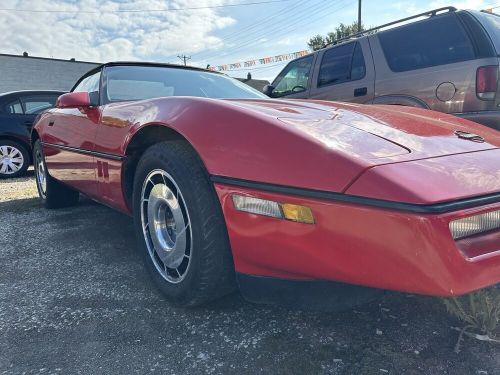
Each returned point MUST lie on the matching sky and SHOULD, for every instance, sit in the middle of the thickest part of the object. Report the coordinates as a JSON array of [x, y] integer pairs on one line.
[[211, 32]]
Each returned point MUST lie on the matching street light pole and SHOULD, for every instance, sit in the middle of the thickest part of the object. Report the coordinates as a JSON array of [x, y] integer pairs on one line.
[[184, 58], [359, 16]]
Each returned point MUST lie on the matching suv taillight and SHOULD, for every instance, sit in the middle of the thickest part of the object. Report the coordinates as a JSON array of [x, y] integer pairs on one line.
[[486, 82]]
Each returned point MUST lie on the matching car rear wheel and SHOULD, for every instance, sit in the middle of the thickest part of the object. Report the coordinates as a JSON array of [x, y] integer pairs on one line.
[[14, 159], [180, 227], [52, 193]]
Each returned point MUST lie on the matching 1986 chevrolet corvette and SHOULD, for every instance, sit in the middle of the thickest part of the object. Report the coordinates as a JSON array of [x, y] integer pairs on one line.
[[228, 187]]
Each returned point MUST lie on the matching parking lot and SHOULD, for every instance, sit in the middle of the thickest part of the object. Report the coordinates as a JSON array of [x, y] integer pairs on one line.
[[74, 298]]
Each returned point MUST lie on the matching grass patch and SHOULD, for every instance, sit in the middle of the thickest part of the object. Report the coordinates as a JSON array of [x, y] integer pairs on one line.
[[480, 312]]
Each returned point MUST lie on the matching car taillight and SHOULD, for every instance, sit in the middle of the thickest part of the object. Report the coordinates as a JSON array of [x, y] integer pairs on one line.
[[486, 82]]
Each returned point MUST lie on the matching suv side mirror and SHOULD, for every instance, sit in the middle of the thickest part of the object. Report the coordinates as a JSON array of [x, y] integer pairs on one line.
[[74, 100], [268, 90]]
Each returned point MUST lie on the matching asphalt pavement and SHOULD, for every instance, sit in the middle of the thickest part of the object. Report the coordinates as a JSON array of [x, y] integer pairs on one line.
[[75, 299]]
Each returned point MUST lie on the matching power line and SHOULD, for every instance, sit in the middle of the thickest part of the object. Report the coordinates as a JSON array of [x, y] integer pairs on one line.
[[253, 37], [256, 24], [275, 30], [139, 10], [283, 30]]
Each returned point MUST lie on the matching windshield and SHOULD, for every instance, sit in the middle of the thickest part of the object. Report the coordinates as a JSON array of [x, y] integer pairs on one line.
[[145, 82], [491, 22]]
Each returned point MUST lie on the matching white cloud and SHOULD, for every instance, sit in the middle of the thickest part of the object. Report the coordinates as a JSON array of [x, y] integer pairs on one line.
[[464, 4], [412, 7], [111, 36]]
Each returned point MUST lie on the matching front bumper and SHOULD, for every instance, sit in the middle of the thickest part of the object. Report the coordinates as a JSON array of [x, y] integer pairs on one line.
[[362, 245], [488, 118]]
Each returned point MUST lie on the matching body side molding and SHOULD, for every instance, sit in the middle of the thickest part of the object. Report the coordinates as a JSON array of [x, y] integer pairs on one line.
[[436, 208], [103, 155]]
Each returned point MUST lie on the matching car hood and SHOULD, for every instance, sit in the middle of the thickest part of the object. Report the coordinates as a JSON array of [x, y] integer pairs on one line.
[[377, 132]]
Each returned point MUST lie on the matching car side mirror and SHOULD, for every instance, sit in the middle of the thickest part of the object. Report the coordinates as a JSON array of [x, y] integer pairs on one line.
[[74, 100], [268, 90]]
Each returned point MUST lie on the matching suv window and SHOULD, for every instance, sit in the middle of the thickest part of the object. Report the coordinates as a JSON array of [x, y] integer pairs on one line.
[[342, 64], [491, 23], [14, 107], [37, 104], [438, 40], [294, 77]]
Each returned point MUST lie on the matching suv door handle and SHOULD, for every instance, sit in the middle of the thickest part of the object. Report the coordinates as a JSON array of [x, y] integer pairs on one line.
[[362, 91], [51, 123]]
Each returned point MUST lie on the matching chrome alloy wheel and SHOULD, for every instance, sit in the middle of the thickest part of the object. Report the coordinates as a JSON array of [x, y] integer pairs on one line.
[[166, 226], [11, 159], [41, 175]]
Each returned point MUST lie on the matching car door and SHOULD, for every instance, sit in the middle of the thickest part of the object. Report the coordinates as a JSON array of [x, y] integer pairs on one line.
[[69, 140], [344, 73], [294, 80]]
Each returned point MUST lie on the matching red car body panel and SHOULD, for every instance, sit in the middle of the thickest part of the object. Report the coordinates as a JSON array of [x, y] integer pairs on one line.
[[74, 128], [434, 180], [361, 245], [396, 154], [354, 138]]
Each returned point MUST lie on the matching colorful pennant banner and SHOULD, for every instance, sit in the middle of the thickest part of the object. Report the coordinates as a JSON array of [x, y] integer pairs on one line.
[[265, 60]]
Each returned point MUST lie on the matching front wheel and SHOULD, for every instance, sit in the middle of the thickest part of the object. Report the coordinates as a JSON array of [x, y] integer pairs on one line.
[[52, 193], [14, 159], [180, 227]]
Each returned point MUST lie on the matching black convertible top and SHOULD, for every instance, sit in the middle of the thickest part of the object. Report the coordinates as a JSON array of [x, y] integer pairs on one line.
[[140, 63]]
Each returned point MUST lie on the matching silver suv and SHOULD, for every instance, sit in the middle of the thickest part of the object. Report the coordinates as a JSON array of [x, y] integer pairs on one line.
[[448, 62]]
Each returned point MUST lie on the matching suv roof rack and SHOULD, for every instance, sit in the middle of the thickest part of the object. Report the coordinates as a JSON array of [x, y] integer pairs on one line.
[[429, 13]]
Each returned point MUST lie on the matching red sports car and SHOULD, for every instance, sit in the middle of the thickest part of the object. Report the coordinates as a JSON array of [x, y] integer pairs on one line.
[[228, 187]]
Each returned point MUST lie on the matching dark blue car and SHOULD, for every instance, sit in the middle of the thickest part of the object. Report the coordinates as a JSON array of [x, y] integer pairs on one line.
[[18, 110]]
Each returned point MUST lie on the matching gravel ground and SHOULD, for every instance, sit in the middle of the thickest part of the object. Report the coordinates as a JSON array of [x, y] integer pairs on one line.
[[75, 299]]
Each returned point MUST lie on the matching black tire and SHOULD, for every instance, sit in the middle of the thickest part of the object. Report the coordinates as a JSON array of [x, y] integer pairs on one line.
[[7, 171], [54, 194], [210, 270]]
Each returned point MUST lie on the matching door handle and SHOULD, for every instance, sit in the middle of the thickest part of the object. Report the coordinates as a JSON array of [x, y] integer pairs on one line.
[[362, 91], [51, 123]]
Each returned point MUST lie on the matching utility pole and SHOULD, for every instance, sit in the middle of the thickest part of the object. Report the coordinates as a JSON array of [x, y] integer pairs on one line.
[[184, 58], [359, 16]]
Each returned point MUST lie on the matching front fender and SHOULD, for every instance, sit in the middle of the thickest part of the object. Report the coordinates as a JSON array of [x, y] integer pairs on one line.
[[236, 142]]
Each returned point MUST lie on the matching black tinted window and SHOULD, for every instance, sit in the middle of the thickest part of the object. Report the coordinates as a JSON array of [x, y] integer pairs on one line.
[[342, 64], [437, 41]]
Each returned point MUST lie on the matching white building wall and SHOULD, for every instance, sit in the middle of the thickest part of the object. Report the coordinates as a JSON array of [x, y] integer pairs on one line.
[[34, 73]]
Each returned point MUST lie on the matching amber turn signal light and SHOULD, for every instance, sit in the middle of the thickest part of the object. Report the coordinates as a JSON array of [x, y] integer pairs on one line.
[[294, 212], [286, 211]]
